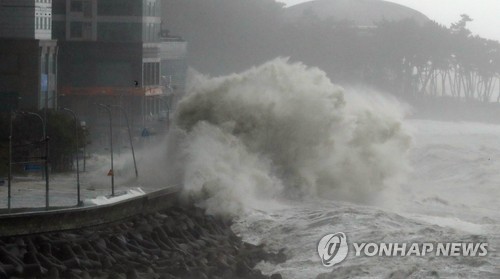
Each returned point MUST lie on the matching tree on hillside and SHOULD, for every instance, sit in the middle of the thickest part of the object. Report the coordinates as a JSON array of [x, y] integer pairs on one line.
[[409, 59], [436, 61]]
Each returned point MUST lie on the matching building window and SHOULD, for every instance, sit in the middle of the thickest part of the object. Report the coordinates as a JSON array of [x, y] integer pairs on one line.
[[114, 31], [121, 7], [76, 30], [148, 37], [87, 8], [59, 7], [59, 30], [76, 6], [157, 74], [87, 30], [151, 74]]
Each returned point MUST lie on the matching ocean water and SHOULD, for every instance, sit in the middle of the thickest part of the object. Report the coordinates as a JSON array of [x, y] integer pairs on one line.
[[293, 157], [452, 195]]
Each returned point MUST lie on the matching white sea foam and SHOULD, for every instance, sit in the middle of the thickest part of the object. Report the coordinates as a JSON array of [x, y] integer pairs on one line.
[[284, 130], [451, 195], [259, 141]]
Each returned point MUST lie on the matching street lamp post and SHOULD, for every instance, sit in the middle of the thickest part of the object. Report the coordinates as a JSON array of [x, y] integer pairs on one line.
[[79, 201], [167, 104], [9, 185], [129, 137], [84, 127], [168, 84], [106, 107], [46, 139]]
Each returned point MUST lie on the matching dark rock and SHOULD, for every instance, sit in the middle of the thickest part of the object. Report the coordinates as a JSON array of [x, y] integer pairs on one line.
[[7, 257], [85, 275], [132, 274], [178, 243], [46, 248], [106, 262], [53, 273], [49, 264], [20, 242], [115, 275], [30, 258], [10, 270], [34, 270], [3, 273], [72, 263]]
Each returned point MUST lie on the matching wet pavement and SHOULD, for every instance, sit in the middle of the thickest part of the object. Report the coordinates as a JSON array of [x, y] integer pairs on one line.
[[29, 192]]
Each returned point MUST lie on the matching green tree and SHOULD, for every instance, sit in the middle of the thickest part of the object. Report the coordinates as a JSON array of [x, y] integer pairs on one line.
[[28, 140]]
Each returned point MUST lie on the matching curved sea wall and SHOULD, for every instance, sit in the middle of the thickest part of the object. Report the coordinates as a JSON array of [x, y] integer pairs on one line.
[[180, 242]]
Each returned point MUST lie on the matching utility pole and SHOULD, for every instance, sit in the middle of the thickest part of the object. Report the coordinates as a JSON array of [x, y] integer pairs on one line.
[[79, 201], [106, 107], [46, 140], [129, 137], [84, 127], [9, 185]]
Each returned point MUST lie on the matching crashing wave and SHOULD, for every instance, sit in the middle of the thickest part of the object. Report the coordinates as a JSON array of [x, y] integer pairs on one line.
[[284, 130]]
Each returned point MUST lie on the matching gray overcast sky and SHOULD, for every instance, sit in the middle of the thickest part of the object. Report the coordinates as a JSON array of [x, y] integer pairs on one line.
[[486, 13]]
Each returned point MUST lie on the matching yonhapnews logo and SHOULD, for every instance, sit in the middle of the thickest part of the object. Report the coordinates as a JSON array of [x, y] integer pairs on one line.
[[333, 249]]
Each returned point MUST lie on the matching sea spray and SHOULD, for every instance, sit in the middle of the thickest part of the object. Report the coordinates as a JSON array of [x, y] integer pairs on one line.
[[283, 130]]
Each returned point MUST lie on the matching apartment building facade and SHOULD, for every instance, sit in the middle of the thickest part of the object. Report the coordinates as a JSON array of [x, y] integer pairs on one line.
[[115, 52], [28, 55]]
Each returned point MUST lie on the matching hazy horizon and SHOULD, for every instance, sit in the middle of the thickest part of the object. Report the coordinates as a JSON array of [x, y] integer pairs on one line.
[[485, 16]]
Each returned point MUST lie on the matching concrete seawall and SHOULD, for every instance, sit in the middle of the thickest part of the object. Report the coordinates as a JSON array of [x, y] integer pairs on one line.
[[25, 223], [179, 242]]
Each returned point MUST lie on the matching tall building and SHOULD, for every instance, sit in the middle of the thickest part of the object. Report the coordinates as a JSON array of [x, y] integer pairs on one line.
[[107, 20], [28, 55], [30, 19], [115, 52]]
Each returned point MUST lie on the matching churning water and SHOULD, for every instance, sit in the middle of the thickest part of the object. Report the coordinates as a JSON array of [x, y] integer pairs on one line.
[[293, 157]]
